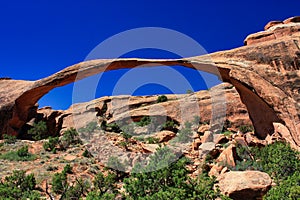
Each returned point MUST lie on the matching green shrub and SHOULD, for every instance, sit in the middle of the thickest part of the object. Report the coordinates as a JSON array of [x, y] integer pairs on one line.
[[19, 186], [126, 136], [86, 154], [189, 91], [21, 154], [184, 135], [162, 98], [124, 144], [288, 189], [246, 128], [70, 137], [9, 139], [23, 151], [168, 125], [165, 179], [38, 131], [152, 140], [113, 128], [51, 144], [75, 192], [67, 169], [104, 185], [59, 183], [196, 120], [279, 160], [145, 120]]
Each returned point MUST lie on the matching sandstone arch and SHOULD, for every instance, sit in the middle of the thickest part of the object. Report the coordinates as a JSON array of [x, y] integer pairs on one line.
[[266, 74]]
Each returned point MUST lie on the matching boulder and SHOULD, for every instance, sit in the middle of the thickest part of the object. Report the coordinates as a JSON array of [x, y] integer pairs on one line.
[[206, 148], [207, 137], [164, 136], [228, 156], [203, 128], [244, 185]]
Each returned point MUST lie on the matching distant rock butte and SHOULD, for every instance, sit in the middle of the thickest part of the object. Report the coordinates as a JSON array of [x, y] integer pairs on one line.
[[265, 73]]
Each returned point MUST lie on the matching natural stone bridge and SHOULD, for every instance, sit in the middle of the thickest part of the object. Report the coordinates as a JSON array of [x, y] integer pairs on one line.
[[265, 73]]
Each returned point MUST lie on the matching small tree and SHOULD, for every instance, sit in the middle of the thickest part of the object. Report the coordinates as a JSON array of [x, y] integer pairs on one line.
[[59, 183], [39, 130], [162, 98]]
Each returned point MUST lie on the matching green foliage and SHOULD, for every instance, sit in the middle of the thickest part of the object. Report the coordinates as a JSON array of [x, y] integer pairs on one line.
[[23, 151], [189, 91], [38, 131], [196, 120], [115, 164], [21, 154], [162, 98], [104, 185], [19, 186], [145, 120], [9, 139], [70, 137], [75, 192], [152, 140], [59, 183], [126, 136], [124, 144], [67, 169], [279, 160], [113, 128], [227, 133], [164, 179], [246, 128], [169, 125], [51, 144], [184, 135], [288, 189], [86, 154]]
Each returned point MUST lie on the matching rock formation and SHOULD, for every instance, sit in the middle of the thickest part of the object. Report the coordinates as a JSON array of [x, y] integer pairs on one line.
[[265, 73]]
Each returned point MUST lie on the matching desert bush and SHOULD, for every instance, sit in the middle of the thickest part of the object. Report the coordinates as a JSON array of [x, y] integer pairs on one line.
[[59, 183], [162, 98], [165, 179], [104, 185], [78, 190], [38, 131], [288, 189], [152, 140], [246, 128], [51, 144], [169, 125], [70, 137], [184, 135], [86, 154], [21, 154], [19, 186], [113, 128], [145, 120], [67, 169], [9, 139]]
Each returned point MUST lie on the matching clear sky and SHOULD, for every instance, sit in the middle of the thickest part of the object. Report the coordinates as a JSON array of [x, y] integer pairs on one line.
[[41, 37]]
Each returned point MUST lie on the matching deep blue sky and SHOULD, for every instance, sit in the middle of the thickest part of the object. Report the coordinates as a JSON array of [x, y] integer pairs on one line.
[[41, 37]]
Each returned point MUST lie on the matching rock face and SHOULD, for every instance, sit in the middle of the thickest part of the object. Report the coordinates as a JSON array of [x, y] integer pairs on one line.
[[265, 73], [250, 185]]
